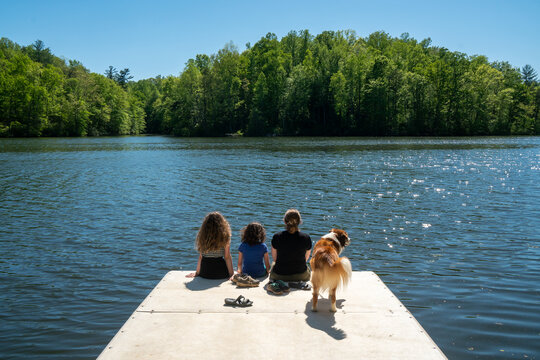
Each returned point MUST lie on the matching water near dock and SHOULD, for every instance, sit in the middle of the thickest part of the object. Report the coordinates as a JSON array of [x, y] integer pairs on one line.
[[89, 226]]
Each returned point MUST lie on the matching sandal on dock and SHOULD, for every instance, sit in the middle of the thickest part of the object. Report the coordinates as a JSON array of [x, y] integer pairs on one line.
[[283, 286], [240, 301], [274, 288], [302, 285]]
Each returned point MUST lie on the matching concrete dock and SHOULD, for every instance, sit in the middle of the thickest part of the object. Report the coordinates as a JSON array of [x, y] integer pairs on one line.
[[185, 318]]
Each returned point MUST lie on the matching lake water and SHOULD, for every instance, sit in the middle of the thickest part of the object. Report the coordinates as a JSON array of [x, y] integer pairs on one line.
[[88, 226]]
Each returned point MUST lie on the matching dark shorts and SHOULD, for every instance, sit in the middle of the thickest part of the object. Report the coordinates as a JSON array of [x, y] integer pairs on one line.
[[213, 268]]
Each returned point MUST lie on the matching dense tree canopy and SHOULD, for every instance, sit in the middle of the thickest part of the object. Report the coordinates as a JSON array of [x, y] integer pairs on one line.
[[42, 95], [334, 83]]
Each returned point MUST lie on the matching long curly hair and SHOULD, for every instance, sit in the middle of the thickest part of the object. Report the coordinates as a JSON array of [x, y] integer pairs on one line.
[[254, 233], [292, 219], [214, 234]]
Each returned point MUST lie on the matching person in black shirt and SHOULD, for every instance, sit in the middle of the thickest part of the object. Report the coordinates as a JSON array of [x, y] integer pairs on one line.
[[290, 250]]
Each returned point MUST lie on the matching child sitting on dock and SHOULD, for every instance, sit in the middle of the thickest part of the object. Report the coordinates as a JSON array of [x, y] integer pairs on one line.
[[252, 251], [214, 246]]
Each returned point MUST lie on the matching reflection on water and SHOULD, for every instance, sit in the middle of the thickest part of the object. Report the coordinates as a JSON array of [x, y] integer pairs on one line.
[[90, 225]]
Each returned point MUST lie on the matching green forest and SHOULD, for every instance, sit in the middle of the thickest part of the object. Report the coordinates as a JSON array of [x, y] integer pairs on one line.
[[332, 84]]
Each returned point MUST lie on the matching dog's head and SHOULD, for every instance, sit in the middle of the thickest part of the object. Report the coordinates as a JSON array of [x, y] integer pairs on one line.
[[342, 237]]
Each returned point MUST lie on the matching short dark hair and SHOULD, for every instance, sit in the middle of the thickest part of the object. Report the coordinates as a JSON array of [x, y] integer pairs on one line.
[[254, 233]]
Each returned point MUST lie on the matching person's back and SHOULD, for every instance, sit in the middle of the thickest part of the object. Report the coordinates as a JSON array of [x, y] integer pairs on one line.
[[291, 250], [253, 251], [253, 256], [213, 244]]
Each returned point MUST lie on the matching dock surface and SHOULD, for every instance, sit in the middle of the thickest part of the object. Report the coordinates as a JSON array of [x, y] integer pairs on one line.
[[185, 318]]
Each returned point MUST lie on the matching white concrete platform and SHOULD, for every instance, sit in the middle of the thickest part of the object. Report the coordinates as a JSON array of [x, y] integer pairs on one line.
[[184, 318]]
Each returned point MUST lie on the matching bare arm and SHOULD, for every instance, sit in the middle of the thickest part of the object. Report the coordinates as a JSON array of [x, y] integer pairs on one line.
[[307, 254], [240, 260], [274, 254], [228, 259], [196, 273], [267, 262]]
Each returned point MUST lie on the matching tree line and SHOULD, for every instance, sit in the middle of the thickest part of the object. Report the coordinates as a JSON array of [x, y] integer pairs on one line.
[[334, 83], [43, 95]]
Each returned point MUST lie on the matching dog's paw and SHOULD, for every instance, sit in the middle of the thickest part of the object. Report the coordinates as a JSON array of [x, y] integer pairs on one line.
[[333, 309], [314, 309]]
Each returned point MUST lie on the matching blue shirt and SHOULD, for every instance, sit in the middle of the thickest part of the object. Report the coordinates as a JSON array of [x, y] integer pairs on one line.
[[253, 259]]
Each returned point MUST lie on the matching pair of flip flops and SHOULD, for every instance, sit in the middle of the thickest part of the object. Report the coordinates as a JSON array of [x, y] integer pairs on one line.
[[240, 301], [279, 287]]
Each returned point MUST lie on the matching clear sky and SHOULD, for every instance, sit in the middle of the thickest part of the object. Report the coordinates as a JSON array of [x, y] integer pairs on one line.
[[157, 37]]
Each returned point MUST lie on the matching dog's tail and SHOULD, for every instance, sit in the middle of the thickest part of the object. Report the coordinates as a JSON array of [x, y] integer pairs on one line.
[[330, 272], [344, 269]]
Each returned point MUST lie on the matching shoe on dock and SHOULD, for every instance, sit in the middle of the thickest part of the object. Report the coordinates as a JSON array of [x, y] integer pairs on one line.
[[244, 280], [302, 285], [240, 301], [274, 288]]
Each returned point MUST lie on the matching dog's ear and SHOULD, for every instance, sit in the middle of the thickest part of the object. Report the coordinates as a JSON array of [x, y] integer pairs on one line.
[[343, 237], [339, 232]]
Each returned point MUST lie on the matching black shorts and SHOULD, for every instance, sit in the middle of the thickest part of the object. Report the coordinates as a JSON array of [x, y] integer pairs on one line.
[[214, 268]]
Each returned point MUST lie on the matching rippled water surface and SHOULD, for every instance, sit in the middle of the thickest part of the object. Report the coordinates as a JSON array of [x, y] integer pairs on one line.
[[88, 227]]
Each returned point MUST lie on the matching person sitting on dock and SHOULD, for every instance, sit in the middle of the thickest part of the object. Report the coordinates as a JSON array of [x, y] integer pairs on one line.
[[252, 251], [214, 246], [290, 250]]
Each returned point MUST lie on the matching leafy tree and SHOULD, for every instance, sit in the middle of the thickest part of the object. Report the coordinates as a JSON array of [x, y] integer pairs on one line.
[[41, 54], [258, 121], [296, 101]]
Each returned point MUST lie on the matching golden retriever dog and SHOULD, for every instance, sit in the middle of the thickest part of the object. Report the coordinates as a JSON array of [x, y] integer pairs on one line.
[[328, 270]]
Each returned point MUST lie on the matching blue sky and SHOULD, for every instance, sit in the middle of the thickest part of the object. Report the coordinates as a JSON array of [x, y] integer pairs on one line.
[[157, 37]]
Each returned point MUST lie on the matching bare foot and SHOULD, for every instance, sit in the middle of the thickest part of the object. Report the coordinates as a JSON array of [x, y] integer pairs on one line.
[[191, 275]]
